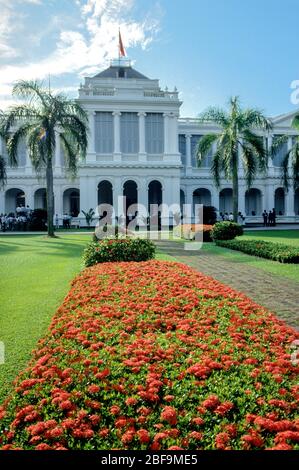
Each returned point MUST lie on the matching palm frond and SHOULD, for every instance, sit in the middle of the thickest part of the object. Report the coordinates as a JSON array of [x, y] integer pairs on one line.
[[254, 119], [216, 166], [277, 143], [14, 141], [31, 90], [295, 164], [70, 148], [249, 163], [295, 122], [256, 143], [204, 146], [214, 115]]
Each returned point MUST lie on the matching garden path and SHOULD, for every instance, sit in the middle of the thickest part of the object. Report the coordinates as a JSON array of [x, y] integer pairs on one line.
[[279, 294]]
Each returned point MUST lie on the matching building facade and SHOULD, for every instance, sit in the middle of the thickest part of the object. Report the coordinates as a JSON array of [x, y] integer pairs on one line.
[[141, 149]]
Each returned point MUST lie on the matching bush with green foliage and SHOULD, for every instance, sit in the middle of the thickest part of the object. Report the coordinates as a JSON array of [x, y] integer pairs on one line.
[[264, 249], [118, 249], [226, 231]]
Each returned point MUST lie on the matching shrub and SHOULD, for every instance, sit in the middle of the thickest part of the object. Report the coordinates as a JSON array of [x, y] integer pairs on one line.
[[264, 249], [118, 249], [188, 231], [226, 230], [153, 356]]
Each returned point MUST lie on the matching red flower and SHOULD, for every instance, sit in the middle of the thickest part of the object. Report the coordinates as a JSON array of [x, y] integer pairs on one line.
[[93, 389], [143, 436], [169, 414]]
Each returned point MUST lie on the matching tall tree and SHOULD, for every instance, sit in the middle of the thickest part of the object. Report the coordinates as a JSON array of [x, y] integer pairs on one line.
[[2, 159], [290, 159], [237, 131], [44, 116]]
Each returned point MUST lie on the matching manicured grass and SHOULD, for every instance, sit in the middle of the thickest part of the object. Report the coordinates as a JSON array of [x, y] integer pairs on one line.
[[35, 277], [288, 237]]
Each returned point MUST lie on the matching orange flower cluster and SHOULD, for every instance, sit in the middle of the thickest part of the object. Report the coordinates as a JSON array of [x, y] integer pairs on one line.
[[154, 355]]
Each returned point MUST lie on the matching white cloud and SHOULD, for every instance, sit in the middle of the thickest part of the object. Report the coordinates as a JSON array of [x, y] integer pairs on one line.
[[84, 50]]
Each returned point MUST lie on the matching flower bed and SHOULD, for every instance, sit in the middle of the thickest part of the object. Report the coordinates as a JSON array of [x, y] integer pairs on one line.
[[188, 231], [154, 355], [269, 250]]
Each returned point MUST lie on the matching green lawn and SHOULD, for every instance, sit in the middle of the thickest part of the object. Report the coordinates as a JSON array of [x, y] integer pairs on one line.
[[289, 237], [35, 277]]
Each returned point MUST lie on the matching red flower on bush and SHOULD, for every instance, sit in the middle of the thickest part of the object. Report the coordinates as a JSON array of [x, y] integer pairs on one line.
[[154, 355]]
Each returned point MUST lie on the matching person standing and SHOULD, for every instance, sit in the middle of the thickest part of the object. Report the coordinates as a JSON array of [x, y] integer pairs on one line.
[[265, 218]]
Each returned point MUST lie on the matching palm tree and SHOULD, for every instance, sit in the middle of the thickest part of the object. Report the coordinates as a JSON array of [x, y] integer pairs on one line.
[[43, 117], [290, 158], [2, 160], [237, 130]]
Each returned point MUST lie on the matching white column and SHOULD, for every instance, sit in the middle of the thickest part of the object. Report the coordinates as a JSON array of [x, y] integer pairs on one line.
[[142, 152], [270, 161], [117, 194], [142, 204], [290, 202], [29, 196], [215, 197], [58, 195], [269, 197], [2, 202], [91, 153], [58, 151], [241, 201], [117, 153], [28, 165], [188, 151], [166, 133], [290, 146]]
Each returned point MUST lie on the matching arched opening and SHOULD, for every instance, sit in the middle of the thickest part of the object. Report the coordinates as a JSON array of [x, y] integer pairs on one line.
[[296, 202], [105, 193], [253, 202], [71, 202], [201, 196], [182, 200], [14, 198], [226, 201], [130, 199], [279, 201], [40, 199], [155, 193], [155, 199]]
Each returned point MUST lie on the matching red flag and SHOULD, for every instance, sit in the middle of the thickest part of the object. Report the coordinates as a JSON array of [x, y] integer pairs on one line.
[[122, 52]]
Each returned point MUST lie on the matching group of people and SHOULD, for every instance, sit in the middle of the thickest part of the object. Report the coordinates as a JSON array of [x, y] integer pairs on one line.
[[230, 217], [17, 221], [269, 218]]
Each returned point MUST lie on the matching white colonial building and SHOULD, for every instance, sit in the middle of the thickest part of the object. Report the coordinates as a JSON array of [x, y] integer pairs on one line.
[[139, 147]]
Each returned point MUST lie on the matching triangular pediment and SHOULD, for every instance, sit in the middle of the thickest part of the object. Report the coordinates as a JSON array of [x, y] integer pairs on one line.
[[285, 120]]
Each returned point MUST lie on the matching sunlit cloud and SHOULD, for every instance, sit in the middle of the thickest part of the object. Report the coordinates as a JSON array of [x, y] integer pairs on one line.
[[78, 51]]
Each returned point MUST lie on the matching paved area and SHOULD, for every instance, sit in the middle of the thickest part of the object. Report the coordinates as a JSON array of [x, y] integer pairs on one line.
[[279, 294]]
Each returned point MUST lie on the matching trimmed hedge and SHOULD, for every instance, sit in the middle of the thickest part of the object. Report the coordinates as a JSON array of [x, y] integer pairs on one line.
[[269, 250], [226, 230], [122, 249]]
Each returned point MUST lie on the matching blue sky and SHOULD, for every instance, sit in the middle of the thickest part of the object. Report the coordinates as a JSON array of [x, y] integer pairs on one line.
[[209, 49]]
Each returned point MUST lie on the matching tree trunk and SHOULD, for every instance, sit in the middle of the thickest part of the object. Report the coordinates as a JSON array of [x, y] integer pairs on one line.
[[235, 188], [50, 198]]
